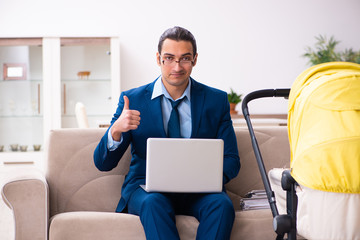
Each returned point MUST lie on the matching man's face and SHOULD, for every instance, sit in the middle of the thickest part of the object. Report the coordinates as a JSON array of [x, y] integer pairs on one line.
[[176, 61]]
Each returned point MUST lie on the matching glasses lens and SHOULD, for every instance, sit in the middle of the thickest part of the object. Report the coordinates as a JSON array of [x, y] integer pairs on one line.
[[172, 62], [168, 62], [185, 62]]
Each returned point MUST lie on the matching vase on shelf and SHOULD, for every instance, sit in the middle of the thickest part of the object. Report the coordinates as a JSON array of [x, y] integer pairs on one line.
[[232, 108]]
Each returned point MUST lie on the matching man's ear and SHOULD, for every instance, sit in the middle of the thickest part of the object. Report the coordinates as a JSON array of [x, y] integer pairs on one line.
[[158, 59], [195, 60]]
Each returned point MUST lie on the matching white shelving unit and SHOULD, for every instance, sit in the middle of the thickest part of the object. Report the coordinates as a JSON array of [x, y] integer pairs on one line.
[[45, 100]]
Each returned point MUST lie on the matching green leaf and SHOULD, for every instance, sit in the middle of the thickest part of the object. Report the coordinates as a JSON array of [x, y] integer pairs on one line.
[[324, 51], [233, 97]]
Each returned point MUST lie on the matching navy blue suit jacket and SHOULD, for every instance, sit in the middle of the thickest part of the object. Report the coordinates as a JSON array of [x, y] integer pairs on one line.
[[210, 113]]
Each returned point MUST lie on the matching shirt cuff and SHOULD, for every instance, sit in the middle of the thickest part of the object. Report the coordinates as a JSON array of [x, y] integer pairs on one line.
[[112, 144]]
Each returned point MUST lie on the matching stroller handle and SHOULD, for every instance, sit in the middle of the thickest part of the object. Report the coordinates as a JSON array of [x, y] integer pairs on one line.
[[282, 92]]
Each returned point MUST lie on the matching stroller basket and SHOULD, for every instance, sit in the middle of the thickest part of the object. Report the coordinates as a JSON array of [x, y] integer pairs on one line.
[[283, 224]]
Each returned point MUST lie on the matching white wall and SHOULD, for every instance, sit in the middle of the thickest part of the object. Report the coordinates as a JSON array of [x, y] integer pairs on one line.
[[243, 44]]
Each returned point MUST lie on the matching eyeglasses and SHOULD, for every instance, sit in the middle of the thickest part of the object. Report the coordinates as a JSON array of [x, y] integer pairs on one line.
[[183, 61]]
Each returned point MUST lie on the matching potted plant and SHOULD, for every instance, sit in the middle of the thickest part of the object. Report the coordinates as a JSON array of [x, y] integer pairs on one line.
[[325, 52], [234, 99]]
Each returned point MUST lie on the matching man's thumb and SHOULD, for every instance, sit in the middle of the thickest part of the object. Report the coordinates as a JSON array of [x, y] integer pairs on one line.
[[126, 102]]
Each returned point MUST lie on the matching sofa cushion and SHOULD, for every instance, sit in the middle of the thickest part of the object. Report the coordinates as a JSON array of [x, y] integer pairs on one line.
[[256, 224], [253, 224], [109, 226]]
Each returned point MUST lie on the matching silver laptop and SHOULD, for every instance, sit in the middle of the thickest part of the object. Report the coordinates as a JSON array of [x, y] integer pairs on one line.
[[184, 165]]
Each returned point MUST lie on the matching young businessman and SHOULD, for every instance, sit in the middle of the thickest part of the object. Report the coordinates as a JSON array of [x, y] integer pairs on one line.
[[146, 111]]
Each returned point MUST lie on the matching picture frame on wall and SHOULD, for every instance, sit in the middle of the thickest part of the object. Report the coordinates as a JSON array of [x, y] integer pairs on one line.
[[14, 71]]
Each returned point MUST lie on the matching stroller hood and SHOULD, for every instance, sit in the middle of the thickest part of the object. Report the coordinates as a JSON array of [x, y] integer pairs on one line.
[[324, 127]]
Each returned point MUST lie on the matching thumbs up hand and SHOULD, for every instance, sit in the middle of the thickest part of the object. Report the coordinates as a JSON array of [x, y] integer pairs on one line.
[[128, 120]]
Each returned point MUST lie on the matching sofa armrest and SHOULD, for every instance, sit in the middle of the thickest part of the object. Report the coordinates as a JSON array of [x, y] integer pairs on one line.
[[25, 192]]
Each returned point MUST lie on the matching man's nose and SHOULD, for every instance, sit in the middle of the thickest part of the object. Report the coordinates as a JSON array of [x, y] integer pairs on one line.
[[177, 65]]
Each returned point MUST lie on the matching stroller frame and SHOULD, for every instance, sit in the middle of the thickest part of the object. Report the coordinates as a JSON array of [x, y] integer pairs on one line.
[[286, 223]]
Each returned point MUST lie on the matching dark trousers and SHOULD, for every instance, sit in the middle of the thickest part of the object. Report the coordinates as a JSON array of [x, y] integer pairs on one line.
[[214, 211]]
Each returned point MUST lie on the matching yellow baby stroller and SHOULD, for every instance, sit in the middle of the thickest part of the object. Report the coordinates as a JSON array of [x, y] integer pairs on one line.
[[323, 183]]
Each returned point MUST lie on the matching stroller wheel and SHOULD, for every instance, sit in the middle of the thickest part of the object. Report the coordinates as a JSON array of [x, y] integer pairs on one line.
[[282, 224]]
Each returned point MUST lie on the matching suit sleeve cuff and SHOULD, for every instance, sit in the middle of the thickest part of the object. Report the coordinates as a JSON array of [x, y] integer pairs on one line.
[[112, 144]]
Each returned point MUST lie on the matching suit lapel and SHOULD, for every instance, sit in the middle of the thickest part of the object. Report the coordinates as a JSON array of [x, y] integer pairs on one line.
[[197, 104], [154, 110]]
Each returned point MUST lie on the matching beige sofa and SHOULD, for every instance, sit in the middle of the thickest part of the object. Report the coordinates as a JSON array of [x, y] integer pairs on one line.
[[75, 201]]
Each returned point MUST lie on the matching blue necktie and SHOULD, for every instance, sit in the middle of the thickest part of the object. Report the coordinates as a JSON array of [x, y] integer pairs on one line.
[[174, 122]]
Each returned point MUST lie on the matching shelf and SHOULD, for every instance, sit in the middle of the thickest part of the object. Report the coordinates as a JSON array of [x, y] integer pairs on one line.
[[88, 115], [62, 80], [20, 42], [30, 158], [85, 80], [21, 153], [22, 116], [19, 156], [85, 41], [260, 120], [20, 81], [267, 116]]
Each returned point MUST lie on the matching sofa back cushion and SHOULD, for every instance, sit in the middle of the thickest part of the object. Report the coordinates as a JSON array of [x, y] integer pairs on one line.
[[275, 151], [75, 184]]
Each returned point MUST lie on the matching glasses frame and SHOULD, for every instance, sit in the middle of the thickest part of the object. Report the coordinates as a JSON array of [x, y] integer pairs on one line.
[[173, 62]]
